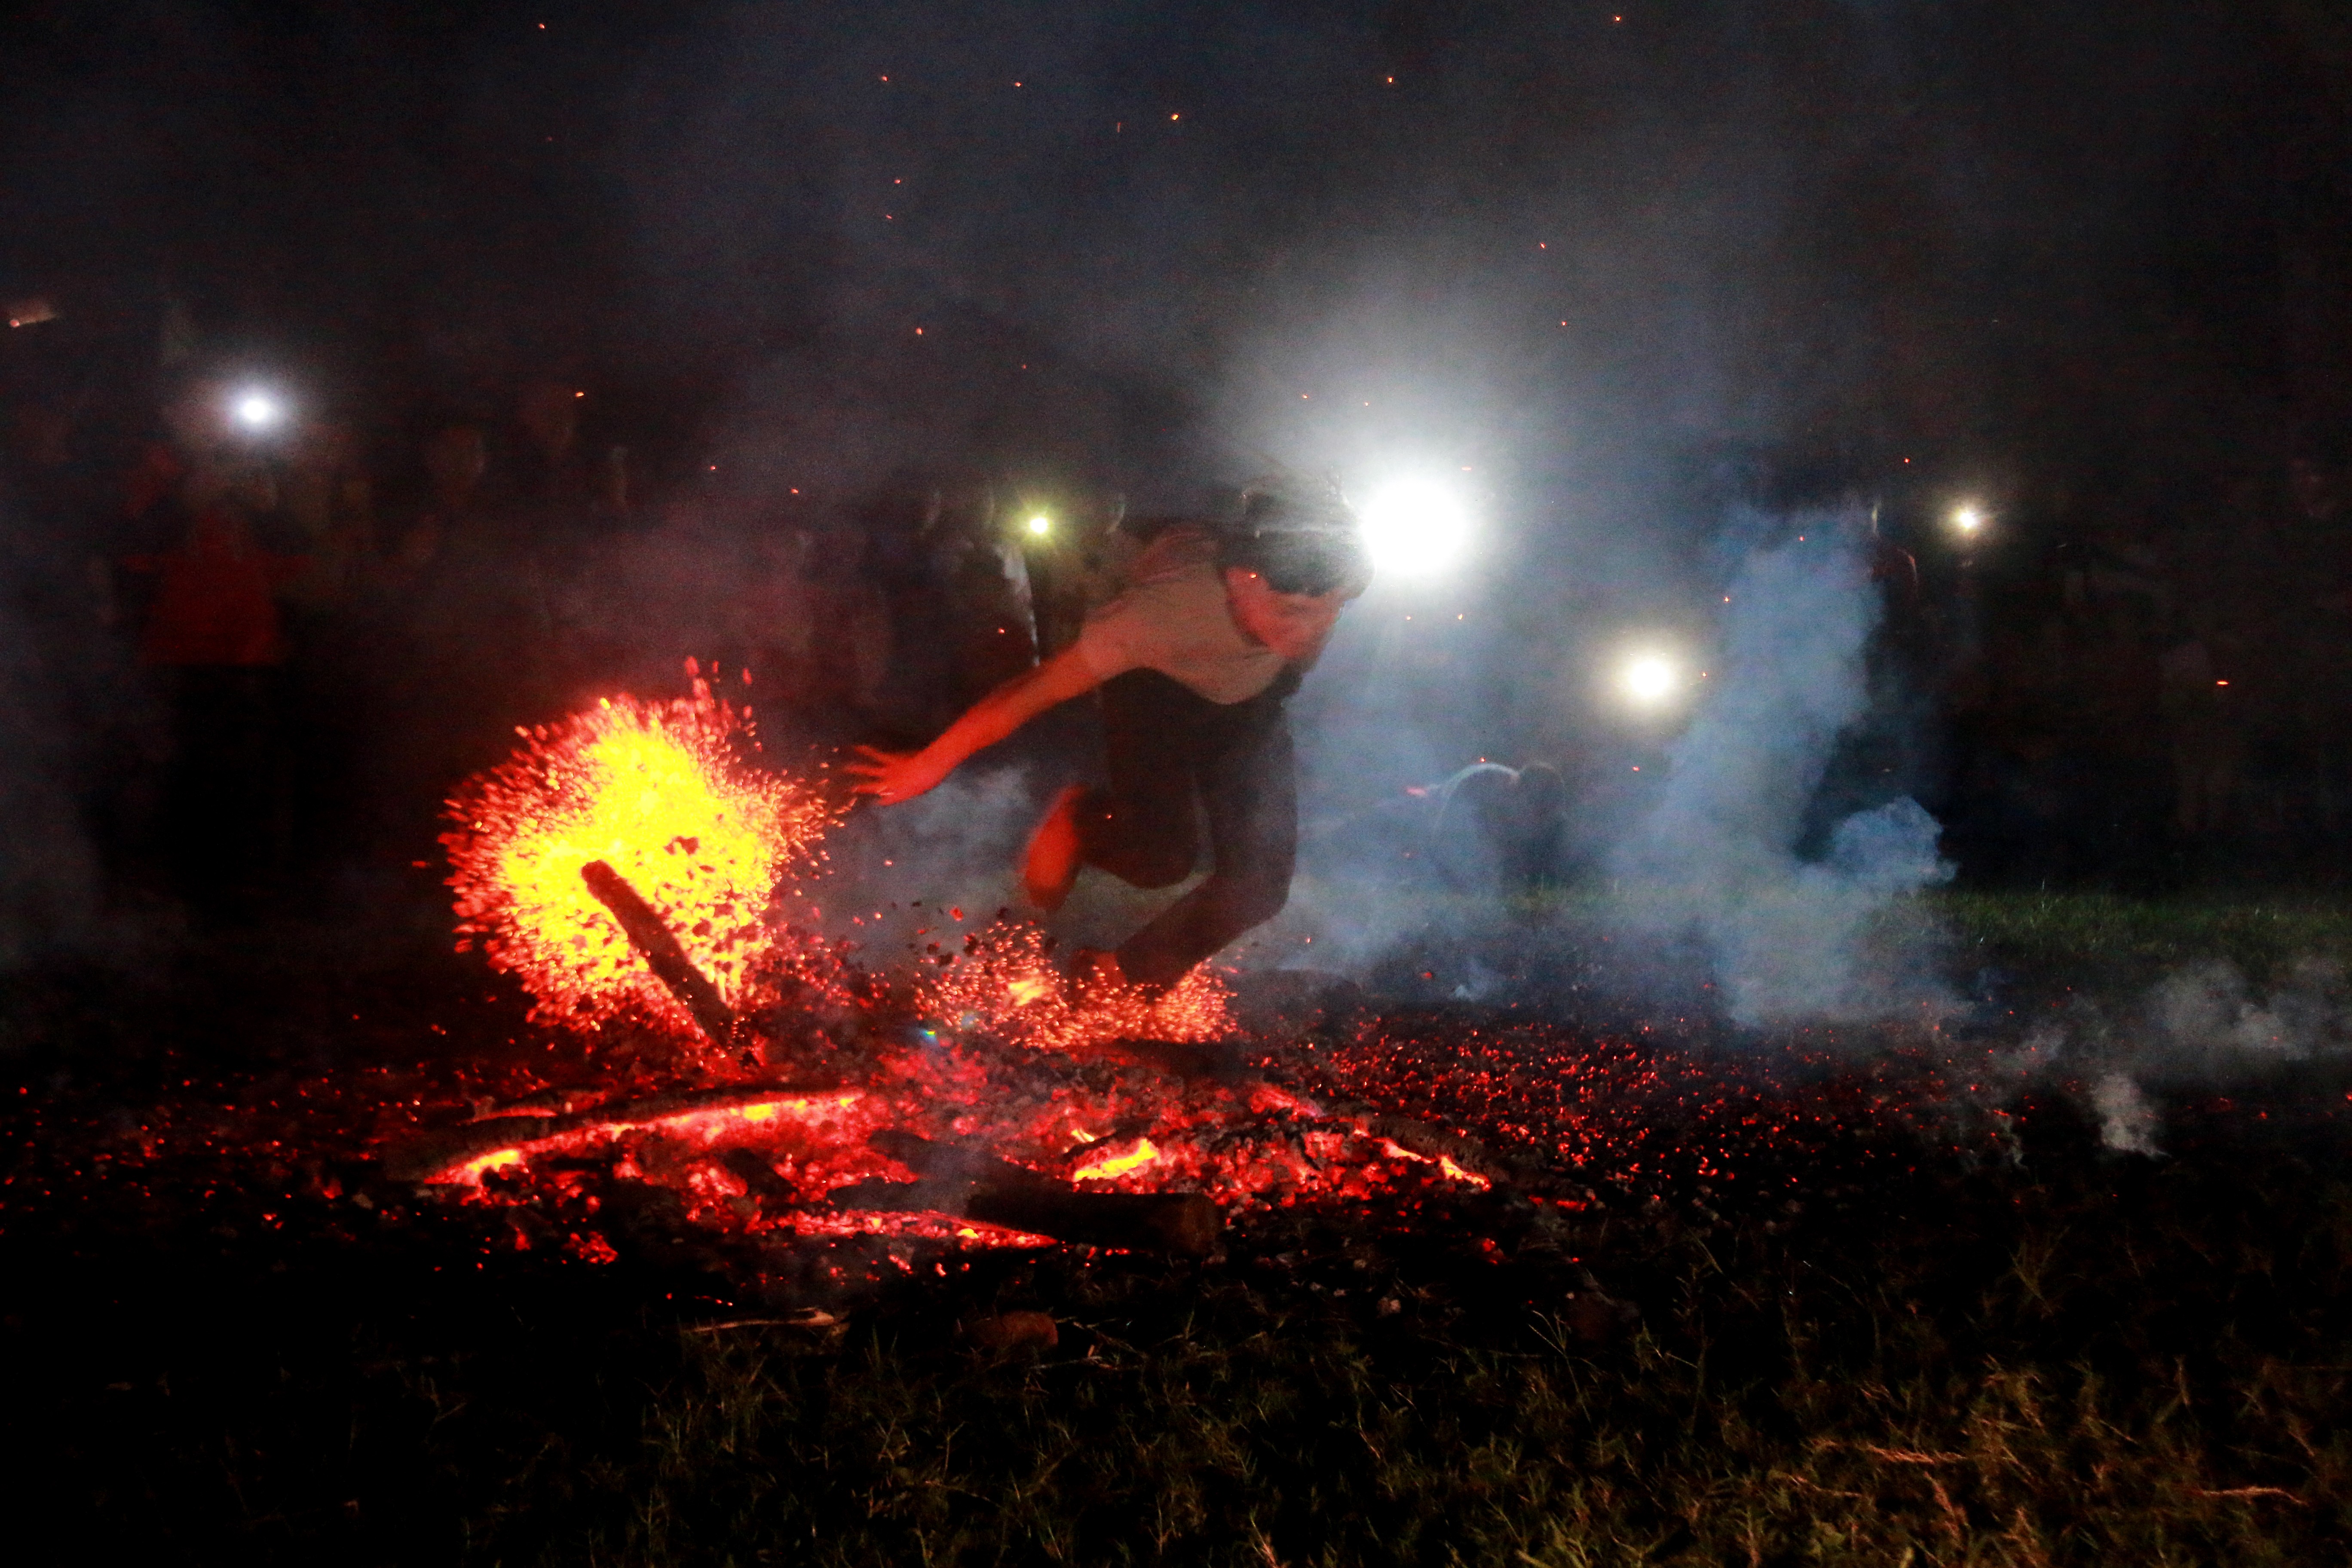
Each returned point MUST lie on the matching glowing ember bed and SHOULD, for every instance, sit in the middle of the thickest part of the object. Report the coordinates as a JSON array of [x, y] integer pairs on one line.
[[646, 876]]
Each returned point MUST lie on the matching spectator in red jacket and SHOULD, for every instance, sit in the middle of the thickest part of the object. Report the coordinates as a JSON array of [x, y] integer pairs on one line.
[[216, 600], [213, 628]]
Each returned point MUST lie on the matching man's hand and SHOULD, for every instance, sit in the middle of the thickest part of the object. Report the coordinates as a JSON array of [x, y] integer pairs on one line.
[[893, 776]]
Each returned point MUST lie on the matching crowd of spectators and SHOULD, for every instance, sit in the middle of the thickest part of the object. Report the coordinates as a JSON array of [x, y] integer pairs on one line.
[[259, 643], [2157, 687], [274, 644]]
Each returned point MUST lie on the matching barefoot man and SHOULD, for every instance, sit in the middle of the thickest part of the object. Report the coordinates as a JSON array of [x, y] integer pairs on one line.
[[1194, 660]]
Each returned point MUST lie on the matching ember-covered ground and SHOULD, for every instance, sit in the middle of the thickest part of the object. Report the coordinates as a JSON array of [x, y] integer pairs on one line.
[[1717, 1297]]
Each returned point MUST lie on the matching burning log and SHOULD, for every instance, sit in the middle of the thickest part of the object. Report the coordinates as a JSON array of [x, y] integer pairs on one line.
[[759, 1177], [1452, 1152], [436, 1153], [1182, 1225], [961, 1180], [953, 1161], [1218, 1061], [659, 945]]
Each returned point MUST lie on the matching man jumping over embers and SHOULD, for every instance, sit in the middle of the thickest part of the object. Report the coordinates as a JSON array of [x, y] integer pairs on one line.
[[1195, 659]]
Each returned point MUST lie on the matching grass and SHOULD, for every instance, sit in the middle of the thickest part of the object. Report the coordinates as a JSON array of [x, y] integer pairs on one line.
[[2105, 936], [2070, 1358], [2107, 944], [2015, 1375]]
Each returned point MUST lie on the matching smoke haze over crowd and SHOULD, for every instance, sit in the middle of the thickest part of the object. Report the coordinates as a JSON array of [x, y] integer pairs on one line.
[[1612, 274]]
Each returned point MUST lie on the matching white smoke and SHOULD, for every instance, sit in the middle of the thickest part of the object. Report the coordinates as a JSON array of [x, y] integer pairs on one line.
[[891, 871], [2127, 1121], [2208, 1011], [2199, 1025], [1716, 858], [2198, 1022]]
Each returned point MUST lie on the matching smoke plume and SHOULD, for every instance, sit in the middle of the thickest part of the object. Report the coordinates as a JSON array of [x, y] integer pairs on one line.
[[2127, 1121], [1716, 860]]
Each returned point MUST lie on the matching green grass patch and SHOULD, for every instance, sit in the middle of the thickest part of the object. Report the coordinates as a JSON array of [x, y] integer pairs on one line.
[[2104, 935], [1983, 1372]]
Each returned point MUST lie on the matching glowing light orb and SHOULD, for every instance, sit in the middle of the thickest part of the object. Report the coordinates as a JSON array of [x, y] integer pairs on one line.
[[1649, 680], [1414, 528], [1041, 525], [257, 411], [1968, 517]]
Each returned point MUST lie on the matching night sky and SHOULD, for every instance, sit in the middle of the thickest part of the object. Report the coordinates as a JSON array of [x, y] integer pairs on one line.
[[1575, 247]]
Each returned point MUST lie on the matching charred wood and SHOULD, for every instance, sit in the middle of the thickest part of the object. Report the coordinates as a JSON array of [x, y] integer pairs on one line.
[[935, 1161], [972, 1183], [759, 1177], [1183, 1225], [1433, 1142], [1219, 1060], [652, 939], [431, 1154]]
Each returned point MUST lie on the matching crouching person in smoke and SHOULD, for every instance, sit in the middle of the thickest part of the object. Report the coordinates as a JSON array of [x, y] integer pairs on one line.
[[1498, 829], [1193, 660]]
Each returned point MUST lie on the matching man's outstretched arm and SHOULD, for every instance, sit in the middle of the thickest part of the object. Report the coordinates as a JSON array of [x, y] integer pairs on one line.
[[893, 776]]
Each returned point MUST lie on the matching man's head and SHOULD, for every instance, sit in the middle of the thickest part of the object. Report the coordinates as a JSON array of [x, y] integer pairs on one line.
[[1300, 539], [1291, 562], [549, 413], [454, 458]]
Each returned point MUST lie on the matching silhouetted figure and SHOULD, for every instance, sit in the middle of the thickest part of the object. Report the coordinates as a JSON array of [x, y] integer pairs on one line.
[[2207, 746], [469, 636], [958, 591], [328, 502], [215, 629], [1498, 829], [551, 483]]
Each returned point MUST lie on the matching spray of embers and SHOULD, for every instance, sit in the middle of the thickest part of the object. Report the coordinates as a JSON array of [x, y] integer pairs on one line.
[[646, 877], [658, 794]]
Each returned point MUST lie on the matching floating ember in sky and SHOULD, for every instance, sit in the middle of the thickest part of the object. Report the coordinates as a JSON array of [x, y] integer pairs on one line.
[[657, 792]]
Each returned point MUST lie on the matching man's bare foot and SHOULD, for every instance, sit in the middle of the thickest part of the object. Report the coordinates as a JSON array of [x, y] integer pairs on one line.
[[1093, 971], [1051, 865]]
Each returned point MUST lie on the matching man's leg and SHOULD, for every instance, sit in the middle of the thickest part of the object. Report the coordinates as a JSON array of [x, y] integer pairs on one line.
[[1249, 789], [1142, 828]]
